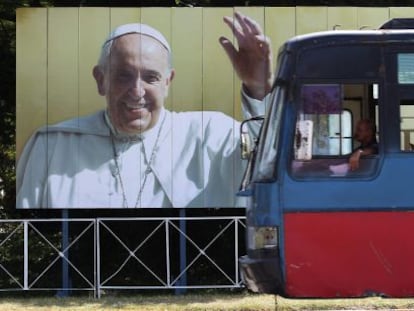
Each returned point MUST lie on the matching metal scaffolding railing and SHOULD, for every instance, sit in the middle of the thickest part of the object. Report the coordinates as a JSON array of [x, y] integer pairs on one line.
[[99, 254]]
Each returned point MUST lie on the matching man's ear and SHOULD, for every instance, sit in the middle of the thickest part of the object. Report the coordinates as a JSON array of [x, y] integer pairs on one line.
[[172, 75], [99, 76], [168, 82]]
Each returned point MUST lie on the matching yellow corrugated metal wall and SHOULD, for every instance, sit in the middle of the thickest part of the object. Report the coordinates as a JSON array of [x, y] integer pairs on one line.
[[58, 47]]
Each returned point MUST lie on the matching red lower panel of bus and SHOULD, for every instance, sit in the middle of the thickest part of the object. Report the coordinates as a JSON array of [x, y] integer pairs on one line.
[[349, 254]]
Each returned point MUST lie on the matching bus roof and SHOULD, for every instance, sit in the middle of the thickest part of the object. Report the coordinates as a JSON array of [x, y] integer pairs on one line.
[[344, 54], [341, 37]]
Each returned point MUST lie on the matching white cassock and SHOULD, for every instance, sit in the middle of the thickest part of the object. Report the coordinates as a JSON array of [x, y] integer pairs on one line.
[[196, 163]]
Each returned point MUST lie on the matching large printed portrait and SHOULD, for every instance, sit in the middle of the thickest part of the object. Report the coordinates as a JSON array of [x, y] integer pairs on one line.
[[129, 108]]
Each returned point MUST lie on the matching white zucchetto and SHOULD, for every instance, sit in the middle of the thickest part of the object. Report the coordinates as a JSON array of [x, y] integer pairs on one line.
[[140, 29]]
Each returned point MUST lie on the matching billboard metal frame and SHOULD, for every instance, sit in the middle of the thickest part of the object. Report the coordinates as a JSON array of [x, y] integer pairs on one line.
[[97, 284]]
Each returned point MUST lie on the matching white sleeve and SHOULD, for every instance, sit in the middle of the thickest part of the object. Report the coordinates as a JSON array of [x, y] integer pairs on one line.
[[31, 173], [253, 107]]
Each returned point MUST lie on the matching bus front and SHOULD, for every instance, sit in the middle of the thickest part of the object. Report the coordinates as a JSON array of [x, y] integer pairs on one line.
[[319, 223]]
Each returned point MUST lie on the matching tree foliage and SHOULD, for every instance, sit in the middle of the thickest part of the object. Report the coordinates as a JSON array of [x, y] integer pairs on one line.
[[7, 103]]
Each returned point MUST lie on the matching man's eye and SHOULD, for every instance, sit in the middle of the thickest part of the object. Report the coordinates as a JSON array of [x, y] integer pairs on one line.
[[151, 78]]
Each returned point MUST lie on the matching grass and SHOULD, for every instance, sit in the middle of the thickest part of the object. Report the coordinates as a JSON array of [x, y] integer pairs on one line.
[[198, 302]]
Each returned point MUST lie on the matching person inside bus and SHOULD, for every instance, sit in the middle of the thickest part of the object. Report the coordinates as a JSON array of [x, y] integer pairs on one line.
[[365, 135]]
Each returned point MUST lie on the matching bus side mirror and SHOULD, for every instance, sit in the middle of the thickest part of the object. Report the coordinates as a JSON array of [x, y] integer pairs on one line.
[[303, 140], [246, 145]]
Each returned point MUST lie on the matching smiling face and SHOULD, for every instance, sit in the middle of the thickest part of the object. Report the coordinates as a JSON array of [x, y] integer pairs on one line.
[[135, 82]]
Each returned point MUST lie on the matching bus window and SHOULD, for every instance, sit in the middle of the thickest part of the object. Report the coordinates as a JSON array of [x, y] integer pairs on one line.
[[327, 116], [339, 140], [407, 125], [406, 68], [406, 78]]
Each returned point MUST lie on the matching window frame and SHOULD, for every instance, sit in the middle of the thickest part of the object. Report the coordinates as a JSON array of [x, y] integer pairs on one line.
[[377, 157], [278, 101]]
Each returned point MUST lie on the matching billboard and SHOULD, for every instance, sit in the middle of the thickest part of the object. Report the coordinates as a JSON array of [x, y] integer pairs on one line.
[[127, 108]]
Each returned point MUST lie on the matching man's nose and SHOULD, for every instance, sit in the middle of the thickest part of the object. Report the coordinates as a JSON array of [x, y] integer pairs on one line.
[[137, 90]]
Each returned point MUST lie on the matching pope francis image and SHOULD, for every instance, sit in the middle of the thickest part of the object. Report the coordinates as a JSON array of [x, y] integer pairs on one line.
[[135, 153]]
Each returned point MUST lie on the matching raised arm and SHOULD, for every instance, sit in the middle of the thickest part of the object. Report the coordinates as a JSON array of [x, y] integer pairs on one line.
[[252, 58]]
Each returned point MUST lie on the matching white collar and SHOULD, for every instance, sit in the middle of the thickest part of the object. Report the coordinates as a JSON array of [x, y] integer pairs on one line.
[[151, 134]]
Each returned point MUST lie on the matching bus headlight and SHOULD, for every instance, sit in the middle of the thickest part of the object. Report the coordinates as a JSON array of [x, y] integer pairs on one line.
[[262, 238]]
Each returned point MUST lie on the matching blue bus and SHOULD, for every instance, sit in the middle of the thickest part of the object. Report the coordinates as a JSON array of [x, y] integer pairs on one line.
[[319, 223]]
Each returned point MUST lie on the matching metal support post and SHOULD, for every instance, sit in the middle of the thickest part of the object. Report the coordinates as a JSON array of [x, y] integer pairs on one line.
[[26, 255], [64, 292], [98, 259], [236, 250], [183, 253], [167, 251]]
